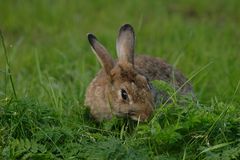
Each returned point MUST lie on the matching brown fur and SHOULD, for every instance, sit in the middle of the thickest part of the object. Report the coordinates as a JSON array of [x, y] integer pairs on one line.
[[157, 69], [104, 94]]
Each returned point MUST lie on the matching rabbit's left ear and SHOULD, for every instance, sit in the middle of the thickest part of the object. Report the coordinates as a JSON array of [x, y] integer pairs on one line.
[[101, 52], [125, 44]]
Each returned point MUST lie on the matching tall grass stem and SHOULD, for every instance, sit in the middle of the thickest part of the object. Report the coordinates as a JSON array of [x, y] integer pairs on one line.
[[8, 69]]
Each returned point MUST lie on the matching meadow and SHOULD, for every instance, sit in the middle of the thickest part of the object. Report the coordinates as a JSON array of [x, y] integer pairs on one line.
[[48, 64]]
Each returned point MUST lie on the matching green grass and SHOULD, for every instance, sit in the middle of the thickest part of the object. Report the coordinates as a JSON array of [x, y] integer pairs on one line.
[[51, 65]]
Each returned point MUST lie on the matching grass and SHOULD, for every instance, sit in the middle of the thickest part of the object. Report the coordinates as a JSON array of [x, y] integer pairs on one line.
[[51, 64]]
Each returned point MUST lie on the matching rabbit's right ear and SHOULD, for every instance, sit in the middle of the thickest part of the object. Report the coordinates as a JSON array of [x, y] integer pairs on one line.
[[101, 52], [125, 44]]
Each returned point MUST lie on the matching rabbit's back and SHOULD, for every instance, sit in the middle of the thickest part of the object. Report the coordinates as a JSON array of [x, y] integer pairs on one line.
[[157, 69]]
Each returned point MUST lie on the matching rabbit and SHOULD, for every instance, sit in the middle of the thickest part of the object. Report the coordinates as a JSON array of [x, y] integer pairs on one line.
[[122, 87]]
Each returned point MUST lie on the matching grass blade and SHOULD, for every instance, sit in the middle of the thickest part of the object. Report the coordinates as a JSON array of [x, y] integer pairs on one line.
[[215, 147], [8, 70]]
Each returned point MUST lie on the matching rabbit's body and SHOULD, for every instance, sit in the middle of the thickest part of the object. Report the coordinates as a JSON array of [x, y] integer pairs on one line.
[[122, 88], [157, 69]]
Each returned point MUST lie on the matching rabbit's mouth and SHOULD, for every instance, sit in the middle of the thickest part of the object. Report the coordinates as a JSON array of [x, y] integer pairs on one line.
[[137, 117]]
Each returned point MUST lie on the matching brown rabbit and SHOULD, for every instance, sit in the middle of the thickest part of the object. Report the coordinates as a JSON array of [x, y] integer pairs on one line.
[[122, 88]]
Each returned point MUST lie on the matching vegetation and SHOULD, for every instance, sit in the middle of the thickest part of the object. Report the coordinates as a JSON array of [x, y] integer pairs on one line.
[[48, 65]]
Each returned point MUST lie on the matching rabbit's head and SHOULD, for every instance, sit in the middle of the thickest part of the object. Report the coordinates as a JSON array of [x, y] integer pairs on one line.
[[129, 93]]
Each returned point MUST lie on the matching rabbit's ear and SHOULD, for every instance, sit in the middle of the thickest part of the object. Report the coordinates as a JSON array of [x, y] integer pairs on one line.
[[101, 52], [125, 44]]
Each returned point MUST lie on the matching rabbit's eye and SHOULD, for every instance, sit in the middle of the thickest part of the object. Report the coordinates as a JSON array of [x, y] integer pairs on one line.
[[124, 94]]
